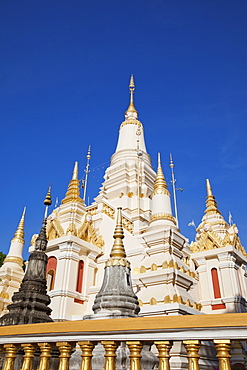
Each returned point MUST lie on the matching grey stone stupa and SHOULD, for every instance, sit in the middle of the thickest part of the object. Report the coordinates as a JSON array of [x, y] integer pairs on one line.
[[116, 297], [30, 303]]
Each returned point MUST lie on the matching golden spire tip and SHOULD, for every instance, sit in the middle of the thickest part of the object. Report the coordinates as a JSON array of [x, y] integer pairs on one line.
[[75, 172], [208, 187], [132, 82], [48, 200], [159, 160], [19, 234]]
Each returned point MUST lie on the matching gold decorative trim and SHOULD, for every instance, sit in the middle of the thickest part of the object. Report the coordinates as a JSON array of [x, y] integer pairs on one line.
[[161, 191], [162, 216], [114, 261], [18, 260], [131, 121]]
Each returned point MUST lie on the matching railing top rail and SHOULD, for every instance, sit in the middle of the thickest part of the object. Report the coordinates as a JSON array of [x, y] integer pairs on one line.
[[131, 325]]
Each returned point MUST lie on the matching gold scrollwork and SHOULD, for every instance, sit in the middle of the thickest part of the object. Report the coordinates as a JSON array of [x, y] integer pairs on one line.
[[117, 262], [162, 216]]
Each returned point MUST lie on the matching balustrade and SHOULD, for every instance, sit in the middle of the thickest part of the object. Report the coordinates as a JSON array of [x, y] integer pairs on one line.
[[40, 340]]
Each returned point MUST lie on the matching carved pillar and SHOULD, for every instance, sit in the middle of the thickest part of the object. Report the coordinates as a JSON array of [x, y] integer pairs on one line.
[[10, 356], [110, 354], [192, 348], [65, 350], [135, 348], [164, 348], [87, 354], [45, 349], [28, 356], [223, 347]]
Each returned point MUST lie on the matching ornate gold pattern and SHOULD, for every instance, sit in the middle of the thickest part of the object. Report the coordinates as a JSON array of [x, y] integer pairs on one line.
[[109, 211], [65, 350], [18, 260], [135, 348], [192, 348], [162, 216], [117, 262], [87, 232], [223, 347], [164, 348], [29, 350], [87, 354], [54, 229], [73, 192], [110, 354], [71, 229], [45, 349], [131, 121], [10, 356], [160, 185], [19, 234]]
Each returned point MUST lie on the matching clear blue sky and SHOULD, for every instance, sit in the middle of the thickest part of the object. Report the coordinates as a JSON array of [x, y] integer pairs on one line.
[[65, 68]]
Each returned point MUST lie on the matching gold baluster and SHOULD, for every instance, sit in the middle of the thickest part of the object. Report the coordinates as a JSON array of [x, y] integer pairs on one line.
[[65, 350], [164, 348], [29, 350], [45, 349], [10, 356], [87, 354], [223, 347], [135, 348], [110, 354], [192, 348]]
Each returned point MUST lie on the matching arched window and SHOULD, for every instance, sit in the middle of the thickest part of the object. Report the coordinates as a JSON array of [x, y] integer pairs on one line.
[[216, 287], [51, 272], [79, 280]]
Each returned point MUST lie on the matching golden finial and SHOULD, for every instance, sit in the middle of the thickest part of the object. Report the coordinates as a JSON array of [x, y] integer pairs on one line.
[[160, 185], [131, 111], [211, 204], [118, 247], [73, 192], [48, 200], [75, 172], [19, 234]]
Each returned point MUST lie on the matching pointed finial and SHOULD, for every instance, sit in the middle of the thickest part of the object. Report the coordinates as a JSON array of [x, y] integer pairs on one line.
[[19, 234], [171, 161], [75, 172], [208, 187], [73, 192], [160, 185], [89, 152], [41, 241], [131, 111], [48, 200], [118, 247], [211, 204]]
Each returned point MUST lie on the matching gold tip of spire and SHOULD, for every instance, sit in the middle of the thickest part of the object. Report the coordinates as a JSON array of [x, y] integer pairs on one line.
[[75, 172], [19, 234], [160, 185], [132, 83], [131, 112], [73, 191], [118, 247], [208, 187], [211, 204]]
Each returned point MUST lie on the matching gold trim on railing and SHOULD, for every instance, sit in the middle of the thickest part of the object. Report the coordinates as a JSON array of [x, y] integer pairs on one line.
[[10, 355], [110, 354], [87, 354], [192, 348], [45, 349], [164, 348], [135, 348], [65, 351], [223, 347]]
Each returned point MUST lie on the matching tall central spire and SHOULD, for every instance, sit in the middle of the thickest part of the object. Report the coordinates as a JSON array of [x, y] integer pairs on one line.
[[211, 204], [73, 192], [131, 112]]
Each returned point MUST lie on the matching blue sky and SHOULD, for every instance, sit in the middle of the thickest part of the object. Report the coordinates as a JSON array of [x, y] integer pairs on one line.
[[64, 75]]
